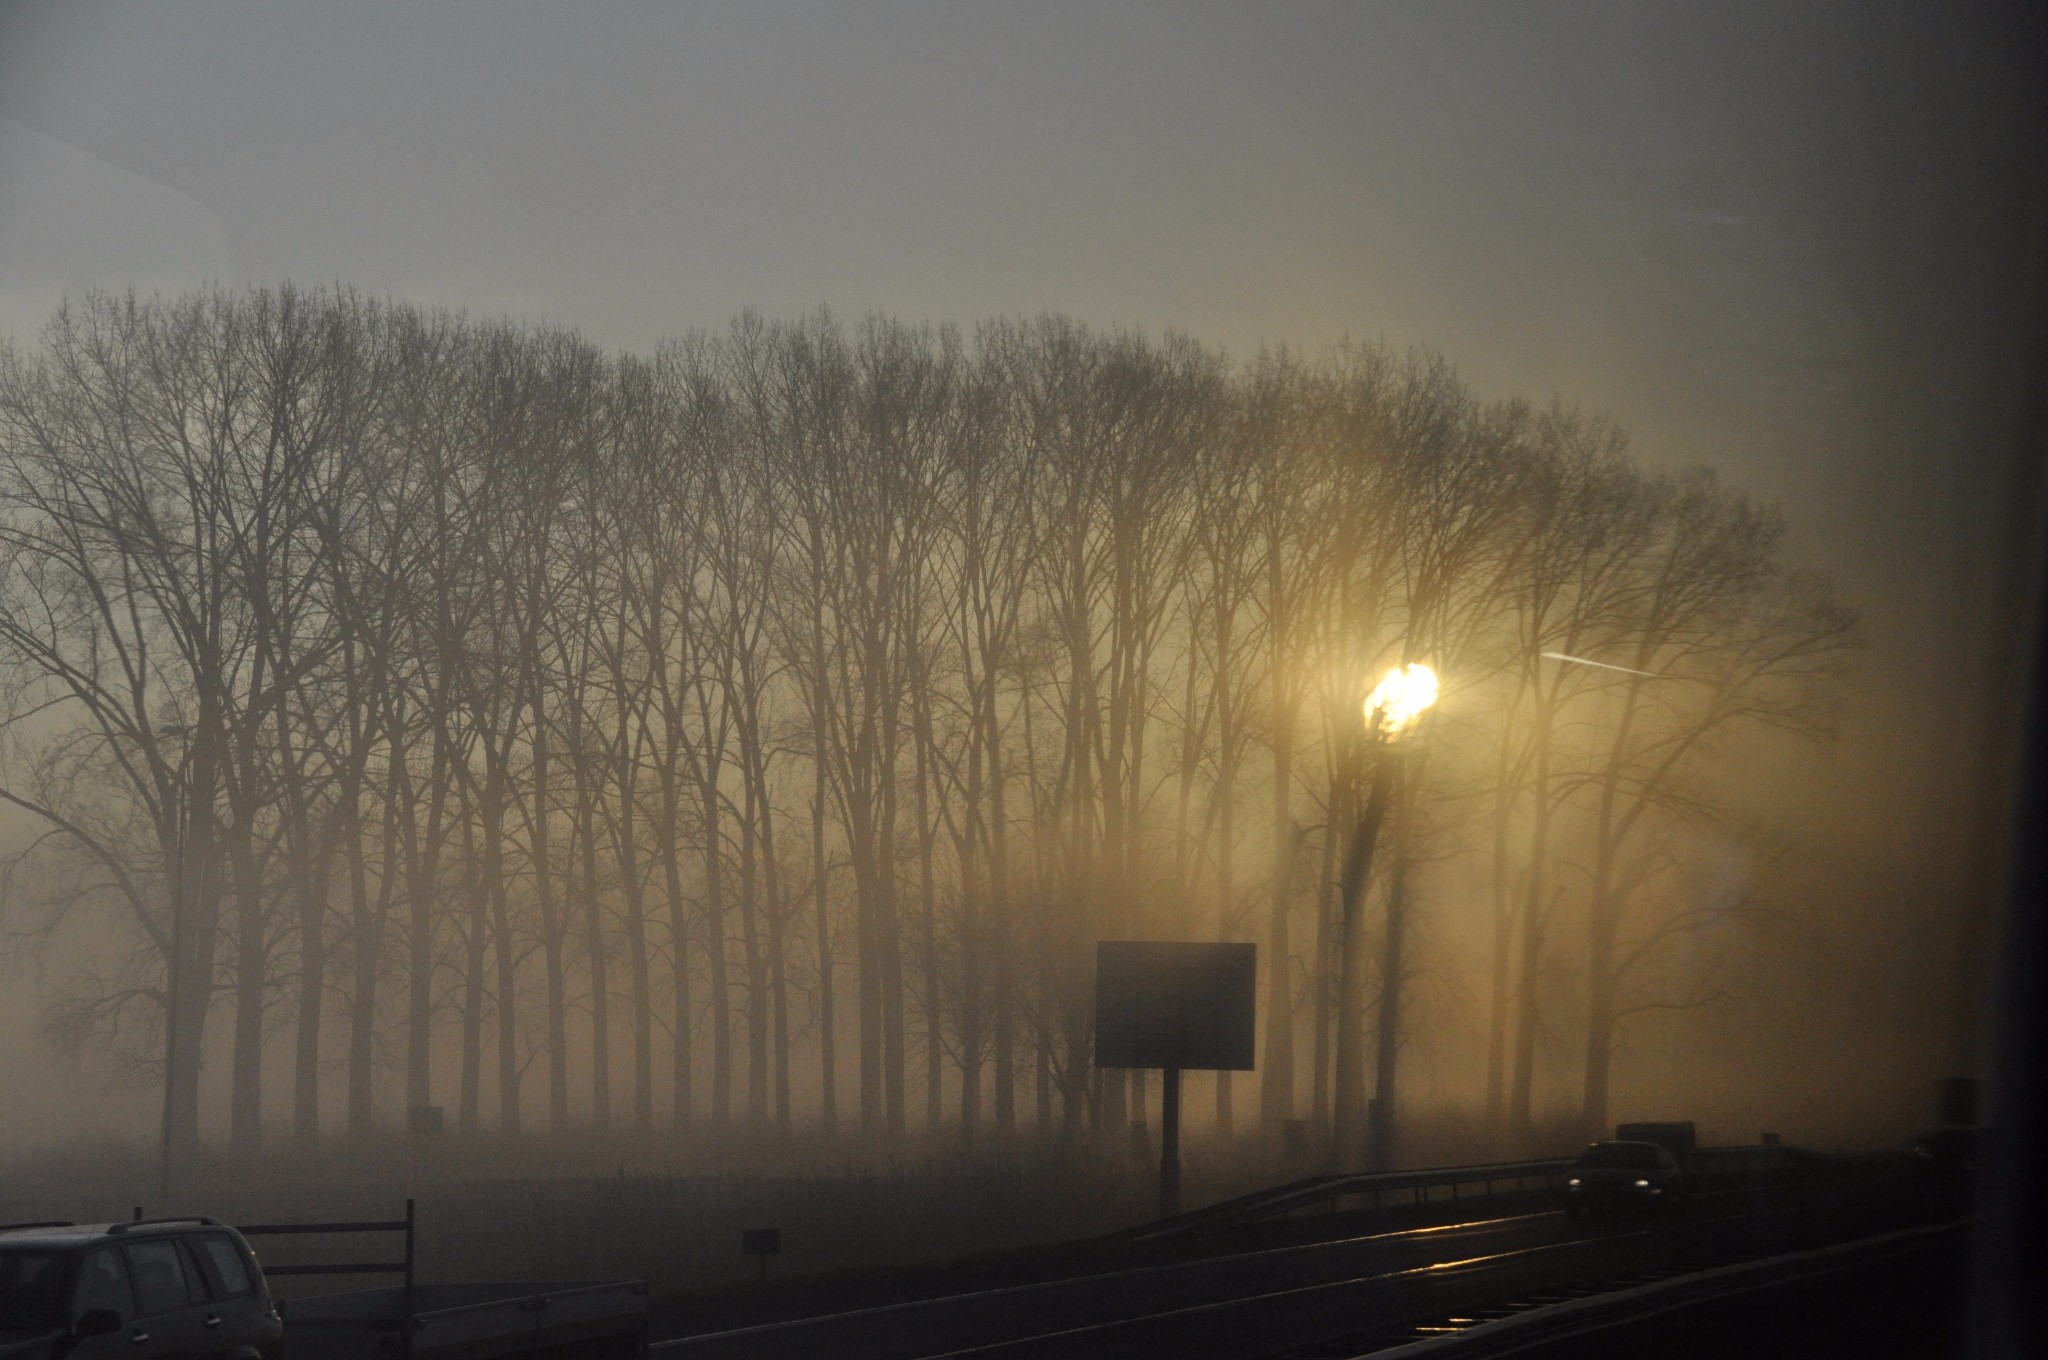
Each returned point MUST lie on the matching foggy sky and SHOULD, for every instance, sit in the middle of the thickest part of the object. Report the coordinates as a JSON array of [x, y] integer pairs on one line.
[[1784, 243]]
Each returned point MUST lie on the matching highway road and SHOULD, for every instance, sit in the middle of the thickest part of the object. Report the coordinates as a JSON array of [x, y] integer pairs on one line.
[[1338, 1297]]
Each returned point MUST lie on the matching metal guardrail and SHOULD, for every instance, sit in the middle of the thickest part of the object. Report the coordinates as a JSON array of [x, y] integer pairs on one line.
[[1328, 1194], [1419, 1184]]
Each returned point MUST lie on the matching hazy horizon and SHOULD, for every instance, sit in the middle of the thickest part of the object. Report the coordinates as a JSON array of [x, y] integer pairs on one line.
[[1785, 245]]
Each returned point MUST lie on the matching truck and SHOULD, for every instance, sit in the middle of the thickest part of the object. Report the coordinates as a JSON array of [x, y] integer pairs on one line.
[[572, 1321], [561, 1320]]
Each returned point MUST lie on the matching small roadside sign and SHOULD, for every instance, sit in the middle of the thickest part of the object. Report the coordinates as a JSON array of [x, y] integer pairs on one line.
[[762, 1243]]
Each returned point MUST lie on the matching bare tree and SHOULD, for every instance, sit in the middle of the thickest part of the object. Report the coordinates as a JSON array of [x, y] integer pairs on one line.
[[344, 639], [1717, 636]]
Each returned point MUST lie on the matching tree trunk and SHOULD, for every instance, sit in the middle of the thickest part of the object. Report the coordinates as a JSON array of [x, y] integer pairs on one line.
[[1276, 1091], [1501, 963], [1393, 974], [778, 987], [553, 928], [821, 699], [423, 863], [889, 923], [714, 943], [190, 966], [1599, 1033], [312, 896], [594, 948], [476, 947], [683, 1070], [638, 960], [252, 965], [372, 914], [1534, 919], [1604, 928], [867, 912], [1350, 1059], [751, 948], [1325, 961], [828, 1049], [928, 931], [1002, 944], [1226, 912], [504, 952]]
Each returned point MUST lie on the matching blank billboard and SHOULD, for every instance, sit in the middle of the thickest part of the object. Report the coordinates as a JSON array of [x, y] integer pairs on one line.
[[1170, 1004]]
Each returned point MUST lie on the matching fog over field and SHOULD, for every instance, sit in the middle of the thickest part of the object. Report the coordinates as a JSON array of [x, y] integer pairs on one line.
[[652, 580]]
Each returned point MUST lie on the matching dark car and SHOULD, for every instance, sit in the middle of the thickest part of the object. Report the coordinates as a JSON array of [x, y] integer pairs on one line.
[[1624, 1175], [182, 1289], [1680, 1136], [1955, 1150]]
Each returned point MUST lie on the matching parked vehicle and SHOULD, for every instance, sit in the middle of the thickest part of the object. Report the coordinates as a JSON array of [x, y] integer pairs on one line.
[[191, 1289], [187, 1288], [1626, 1175]]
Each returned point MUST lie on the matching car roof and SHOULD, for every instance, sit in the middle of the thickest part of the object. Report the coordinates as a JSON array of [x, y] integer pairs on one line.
[[54, 1234], [1624, 1143]]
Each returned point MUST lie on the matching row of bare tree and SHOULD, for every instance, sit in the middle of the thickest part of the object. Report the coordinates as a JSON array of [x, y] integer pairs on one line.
[[452, 696]]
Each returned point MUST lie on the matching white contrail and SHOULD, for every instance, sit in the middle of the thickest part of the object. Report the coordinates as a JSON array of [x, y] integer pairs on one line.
[[1603, 665]]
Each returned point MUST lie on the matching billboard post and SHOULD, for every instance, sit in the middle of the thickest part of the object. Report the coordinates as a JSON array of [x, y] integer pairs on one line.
[[1174, 1006]]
